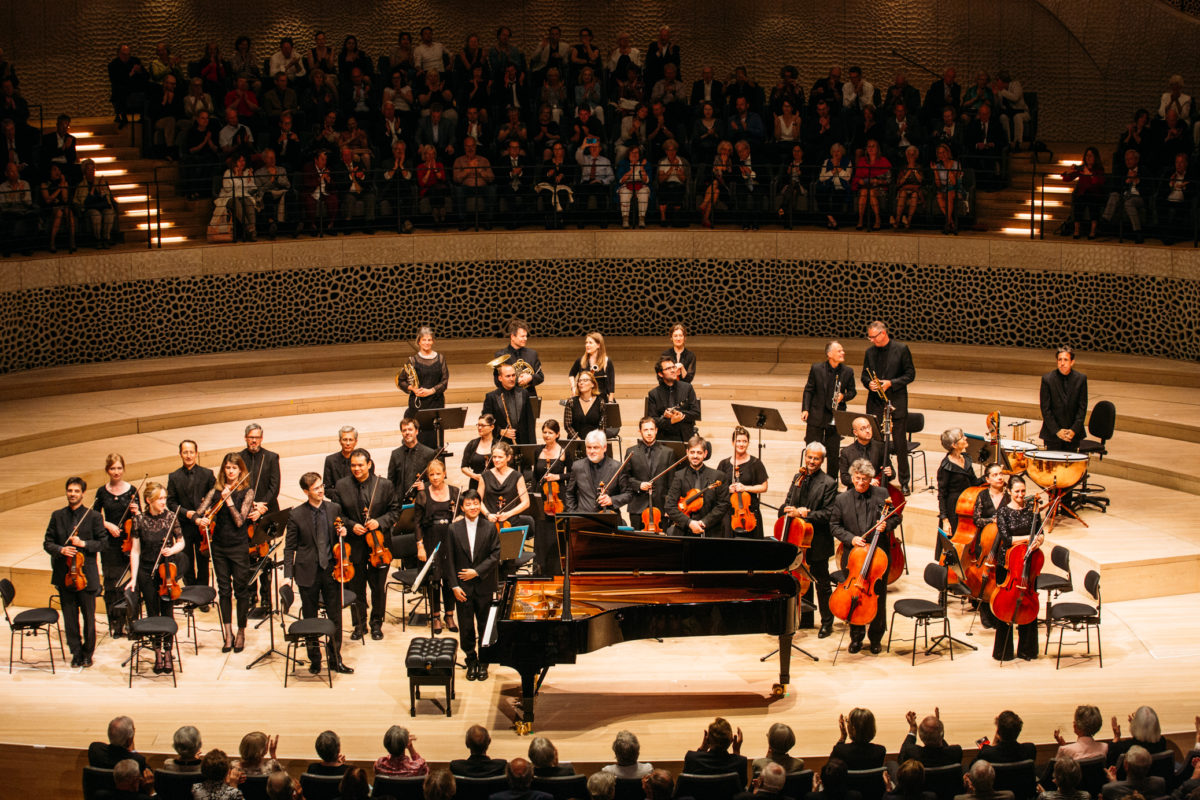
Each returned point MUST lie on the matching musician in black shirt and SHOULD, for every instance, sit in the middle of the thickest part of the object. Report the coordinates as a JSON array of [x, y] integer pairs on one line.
[[864, 446], [891, 362], [810, 497], [683, 359], [518, 335], [592, 489], [263, 466], [369, 503], [829, 387], [186, 487], [647, 460], [408, 462], [672, 404], [62, 540], [1064, 398], [337, 465], [1015, 519], [708, 519], [509, 406]]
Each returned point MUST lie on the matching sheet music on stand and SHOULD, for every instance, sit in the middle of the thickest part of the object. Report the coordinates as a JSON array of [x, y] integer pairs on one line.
[[416, 586]]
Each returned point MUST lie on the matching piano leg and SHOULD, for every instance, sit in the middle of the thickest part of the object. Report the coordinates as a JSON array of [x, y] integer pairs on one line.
[[529, 681], [785, 665]]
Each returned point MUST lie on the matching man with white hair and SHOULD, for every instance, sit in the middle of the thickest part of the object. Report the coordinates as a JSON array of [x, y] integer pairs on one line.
[[810, 498], [767, 786], [592, 489]]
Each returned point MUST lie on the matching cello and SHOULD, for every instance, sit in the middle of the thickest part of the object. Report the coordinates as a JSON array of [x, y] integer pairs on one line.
[[797, 531], [651, 516], [854, 600], [1016, 601], [965, 531]]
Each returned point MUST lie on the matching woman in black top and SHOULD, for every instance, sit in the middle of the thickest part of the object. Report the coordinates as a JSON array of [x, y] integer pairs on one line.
[[744, 473], [435, 509], [502, 490], [549, 467], [685, 359], [117, 502], [955, 475], [585, 411], [834, 783], [910, 783], [478, 452], [433, 375], [1015, 519], [596, 361], [230, 545], [859, 752], [155, 532]]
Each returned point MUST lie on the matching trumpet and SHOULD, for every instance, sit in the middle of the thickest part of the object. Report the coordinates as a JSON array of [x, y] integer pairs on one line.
[[878, 385], [837, 388]]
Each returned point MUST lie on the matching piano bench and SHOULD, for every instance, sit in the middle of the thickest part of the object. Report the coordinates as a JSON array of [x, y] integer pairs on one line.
[[430, 662]]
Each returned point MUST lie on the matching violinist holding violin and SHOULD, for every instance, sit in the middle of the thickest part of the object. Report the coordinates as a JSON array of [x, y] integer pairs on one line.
[[705, 499], [1015, 519], [648, 459], [549, 471], [746, 477], [856, 514], [117, 503], [74, 531], [436, 506], [369, 507], [810, 497], [308, 562], [224, 514], [157, 536], [186, 487], [595, 485]]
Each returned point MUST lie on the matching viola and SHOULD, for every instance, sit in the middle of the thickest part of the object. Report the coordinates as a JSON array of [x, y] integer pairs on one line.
[[741, 519], [168, 581], [854, 600], [551, 498], [652, 520], [75, 578], [693, 501], [380, 555], [343, 570]]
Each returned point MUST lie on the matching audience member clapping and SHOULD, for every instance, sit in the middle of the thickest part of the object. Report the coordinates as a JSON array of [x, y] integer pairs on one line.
[[218, 779], [127, 783], [780, 740], [626, 749], [910, 783], [1087, 724], [713, 757], [1006, 747], [860, 752], [933, 751], [1067, 778], [1136, 763], [329, 750], [834, 784], [256, 754], [402, 758]]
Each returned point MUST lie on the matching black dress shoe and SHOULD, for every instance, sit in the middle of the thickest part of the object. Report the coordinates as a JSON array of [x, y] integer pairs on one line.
[[377, 634], [87, 661], [341, 668], [76, 661], [876, 648], [825, 631], [471, 667], [481, 672], [854, 647], [314, 666], [358, 634]]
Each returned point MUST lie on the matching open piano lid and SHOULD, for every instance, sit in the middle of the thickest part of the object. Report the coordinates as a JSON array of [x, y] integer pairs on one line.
[[596, 545]]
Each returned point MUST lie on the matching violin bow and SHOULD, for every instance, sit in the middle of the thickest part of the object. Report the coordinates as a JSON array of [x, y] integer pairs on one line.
[[137, 496]]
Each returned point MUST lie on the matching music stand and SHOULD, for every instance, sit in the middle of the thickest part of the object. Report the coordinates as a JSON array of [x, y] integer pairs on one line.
[[946, 546], [441, 420], [759, 418], [535, 407], [420, 579], [406, 522], [845, 424], [283, 515], [678, 449], [979, 449], [269, 526], [526, 454]]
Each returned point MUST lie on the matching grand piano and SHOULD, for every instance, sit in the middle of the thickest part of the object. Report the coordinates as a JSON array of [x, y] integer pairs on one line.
[[618, 586]]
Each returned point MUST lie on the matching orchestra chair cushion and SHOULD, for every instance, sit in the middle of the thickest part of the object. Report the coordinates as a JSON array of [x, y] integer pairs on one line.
[[170, 785], [945, 781], [96, 779], [709, 787], [868, 782], [254, 787], [562, 787], [397, 787], [480, 788], [153, 626], [313, 626], [1062, 612], [35, 618], [320, 787], [1018, 777], [197, 595], [799, 784], [430, 661], [631, 789]]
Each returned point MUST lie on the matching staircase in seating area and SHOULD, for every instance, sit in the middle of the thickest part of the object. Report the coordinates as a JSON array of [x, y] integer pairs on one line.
[[132, 179], [1009, 212]]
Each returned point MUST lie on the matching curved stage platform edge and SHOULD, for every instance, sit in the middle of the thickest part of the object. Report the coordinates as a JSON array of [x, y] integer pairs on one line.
[[1147, 548]]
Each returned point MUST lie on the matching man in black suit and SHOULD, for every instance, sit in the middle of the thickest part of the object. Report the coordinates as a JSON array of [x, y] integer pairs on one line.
[[544, 757], [943, 92], [810, 497], [520, 782], [707, 90], [855, 515], [1064, 398], [1137, 777], [829, 387], [478, 764], [647, 459], [707, 521], [408, 462], [186, 488], [672, 403], [73, 529], [369, 504], [471, 568], [337, 465], [516, 350], [1005, 749], [514, 179], [713, 757], [120, 746], [509, 405], [892, 365], [127, 783], [864, 446], [986, 142], [933, 750], [308, 561], [584, 493], [263, 466], [58, 146]]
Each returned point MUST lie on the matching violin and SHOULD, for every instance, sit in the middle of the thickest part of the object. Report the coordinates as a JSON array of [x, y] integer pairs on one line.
[[168, 581], [75, 578], [551, 498], [1016, 601], [126, 522], [343, 570], [854, 600], [742, 519], [205, 521], [693, 501], [651, 516]]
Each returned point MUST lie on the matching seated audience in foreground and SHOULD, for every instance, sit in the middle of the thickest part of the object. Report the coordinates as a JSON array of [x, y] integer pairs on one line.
[[780, 739], [910, 783], [186, 743], [980, 782], [1005, 749], [478, 764], [1137, 777], [933, 750], [329, 750], [768, 785], [833, 783], [713, 756], [127, 780], [520, 782], [626, 749], [860, 752], [396, 741], [544, 757]]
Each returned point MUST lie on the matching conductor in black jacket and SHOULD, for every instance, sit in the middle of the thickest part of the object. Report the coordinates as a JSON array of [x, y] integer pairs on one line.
[[472, 569], [707, 521], [186, 488], [855, 514], [308, 561], [62, 541], [1064, 399], [591, 490], [829, 387], [672, 404], [812, 500], [893, 366], [369, 504]]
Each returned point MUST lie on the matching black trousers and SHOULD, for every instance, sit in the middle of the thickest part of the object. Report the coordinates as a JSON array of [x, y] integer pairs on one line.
[[75, 605], [156, 604], [113, 566], [471, 615], [899, 448], [828, 436], [231, 565], [328, 591], [197, 562], [878, 625], [822, 588], [372, 580], [1027, 640]]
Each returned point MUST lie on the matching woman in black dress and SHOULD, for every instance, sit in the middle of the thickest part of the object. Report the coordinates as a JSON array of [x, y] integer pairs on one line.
[[502, 490], [1013, 520], [230, 545], [585, 411], [435, 510], [117, 502], [478, 452], [955, 475], [596, 361], [549, 468], [157, 537], [684, 359], [433, 375], [744, 473]]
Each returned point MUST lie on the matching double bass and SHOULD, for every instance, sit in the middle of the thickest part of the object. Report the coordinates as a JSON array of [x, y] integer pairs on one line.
[[854, 600]]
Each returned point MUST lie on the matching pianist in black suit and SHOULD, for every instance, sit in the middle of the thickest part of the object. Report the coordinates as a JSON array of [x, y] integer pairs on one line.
[[1064, 399], [478, 764], [471, 566], [713, 756], [708, 519], [810, 497], [308, 561], [591, 490]]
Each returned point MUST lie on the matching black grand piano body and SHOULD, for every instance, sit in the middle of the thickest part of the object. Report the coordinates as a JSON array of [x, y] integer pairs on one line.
[[626, 585]]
